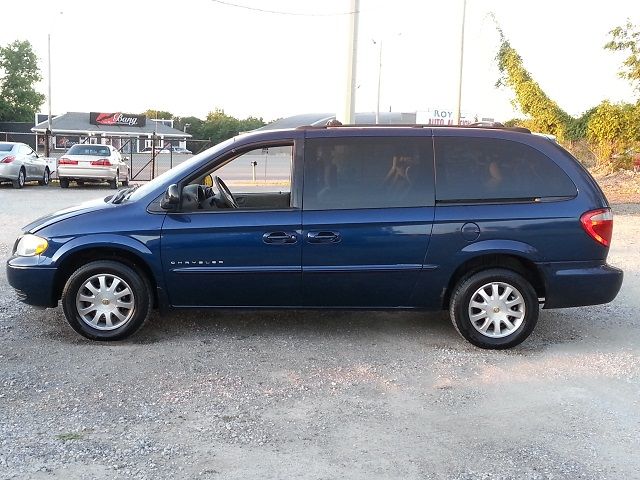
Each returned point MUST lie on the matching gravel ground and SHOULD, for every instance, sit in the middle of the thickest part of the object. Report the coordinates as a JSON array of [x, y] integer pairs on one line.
[[318, 395]]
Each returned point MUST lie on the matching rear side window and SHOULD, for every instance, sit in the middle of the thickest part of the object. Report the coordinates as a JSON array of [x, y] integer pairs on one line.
[[89, 150], [366, 172], [483, 169]]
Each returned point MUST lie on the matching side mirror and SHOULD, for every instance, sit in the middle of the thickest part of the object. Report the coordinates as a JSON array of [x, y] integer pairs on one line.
[[171, 198]]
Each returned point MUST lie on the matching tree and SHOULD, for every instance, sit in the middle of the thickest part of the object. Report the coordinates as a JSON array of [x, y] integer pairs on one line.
[[19, 101], [251, 123], [545, 114], [159, 114], [613, 129], [627, 39]]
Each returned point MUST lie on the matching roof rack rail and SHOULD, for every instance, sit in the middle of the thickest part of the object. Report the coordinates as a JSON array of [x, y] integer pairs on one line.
[[494, 126]]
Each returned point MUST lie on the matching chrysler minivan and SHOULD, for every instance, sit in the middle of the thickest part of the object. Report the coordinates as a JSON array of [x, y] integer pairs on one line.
[[491, 224]]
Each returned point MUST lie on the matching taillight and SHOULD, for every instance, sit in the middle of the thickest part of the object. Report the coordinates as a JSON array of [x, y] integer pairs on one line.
[[599, 225], [67, 161], [8, 159], [103, 162]]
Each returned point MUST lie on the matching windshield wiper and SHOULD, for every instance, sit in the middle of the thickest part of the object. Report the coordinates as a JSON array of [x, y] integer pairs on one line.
[[123, 194]]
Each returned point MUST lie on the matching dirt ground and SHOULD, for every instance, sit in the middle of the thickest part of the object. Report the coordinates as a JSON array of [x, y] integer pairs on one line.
[[622, 187], [318, 395]]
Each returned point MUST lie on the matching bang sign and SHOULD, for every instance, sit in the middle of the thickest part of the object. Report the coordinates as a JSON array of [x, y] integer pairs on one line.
[[117, 119]]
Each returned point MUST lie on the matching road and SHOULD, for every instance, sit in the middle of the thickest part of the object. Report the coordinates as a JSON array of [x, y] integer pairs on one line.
[[322, 395]]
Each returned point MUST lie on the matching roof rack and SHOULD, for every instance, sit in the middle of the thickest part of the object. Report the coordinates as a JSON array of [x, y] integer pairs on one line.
[[408, 125]]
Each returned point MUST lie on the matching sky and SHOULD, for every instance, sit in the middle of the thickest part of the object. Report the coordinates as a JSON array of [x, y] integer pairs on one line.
[[190, 57]]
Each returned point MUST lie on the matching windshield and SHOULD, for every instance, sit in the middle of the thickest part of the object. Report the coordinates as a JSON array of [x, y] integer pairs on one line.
[[96, 150], [6, 147], [179, 171]]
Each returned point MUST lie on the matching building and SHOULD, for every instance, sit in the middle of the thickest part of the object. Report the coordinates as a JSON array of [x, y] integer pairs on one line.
[[128, 132]]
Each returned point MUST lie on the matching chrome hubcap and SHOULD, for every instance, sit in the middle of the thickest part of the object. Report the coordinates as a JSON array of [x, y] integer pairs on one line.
[[497, 309], [105, 302]]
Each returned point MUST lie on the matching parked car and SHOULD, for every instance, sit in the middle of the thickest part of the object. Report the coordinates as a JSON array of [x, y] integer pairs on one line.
[[166, 149], [491, 224], [20, 164], [182, 150], [93, 164]]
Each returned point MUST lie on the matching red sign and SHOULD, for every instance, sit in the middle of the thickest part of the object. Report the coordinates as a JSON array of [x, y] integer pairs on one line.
[[118, 118]]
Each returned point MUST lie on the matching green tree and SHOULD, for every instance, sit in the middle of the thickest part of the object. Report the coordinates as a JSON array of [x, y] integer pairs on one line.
[[627, 39], [159, 114], [251, 123], [544, 114], [613, 129], [19, 101]]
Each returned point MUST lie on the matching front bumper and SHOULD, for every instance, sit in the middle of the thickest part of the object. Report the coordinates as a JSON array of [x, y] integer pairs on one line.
[[34, 285], [576, 284]]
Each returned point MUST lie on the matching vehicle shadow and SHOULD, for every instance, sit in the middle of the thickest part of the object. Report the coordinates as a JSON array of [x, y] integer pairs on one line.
[[196, 324], [426, 328]]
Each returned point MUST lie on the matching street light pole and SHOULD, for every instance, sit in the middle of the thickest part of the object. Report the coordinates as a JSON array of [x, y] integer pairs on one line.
[[346, 114], [379, 77], [456, 119], [46, 137]]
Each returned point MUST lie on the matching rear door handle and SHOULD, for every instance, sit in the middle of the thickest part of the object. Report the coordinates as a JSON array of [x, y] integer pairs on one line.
[[323, 237], [279, 237]]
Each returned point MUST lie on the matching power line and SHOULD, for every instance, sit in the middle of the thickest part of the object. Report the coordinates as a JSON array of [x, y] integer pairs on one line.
[[276, 12]]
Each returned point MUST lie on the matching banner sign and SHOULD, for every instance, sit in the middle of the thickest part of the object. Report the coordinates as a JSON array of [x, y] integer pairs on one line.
[[66, 141], [117, 119]]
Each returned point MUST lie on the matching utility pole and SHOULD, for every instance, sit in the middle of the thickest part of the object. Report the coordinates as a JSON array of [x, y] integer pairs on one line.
[[379, 77], [456, 119], [48, 132], [346, 114]]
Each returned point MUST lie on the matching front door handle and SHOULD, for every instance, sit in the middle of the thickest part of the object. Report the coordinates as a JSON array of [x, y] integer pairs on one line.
[[279, 237], [323, 237]]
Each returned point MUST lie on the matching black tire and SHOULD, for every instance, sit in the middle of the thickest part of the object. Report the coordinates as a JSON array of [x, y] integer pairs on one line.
[[45, 177], [115, 183], [19, 182], [64, 183], [141, 300], [460, 308], [125, 182]]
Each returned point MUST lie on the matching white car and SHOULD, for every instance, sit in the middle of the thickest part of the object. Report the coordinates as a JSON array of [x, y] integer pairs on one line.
[[93, 163], [20, 164], [166, 149]]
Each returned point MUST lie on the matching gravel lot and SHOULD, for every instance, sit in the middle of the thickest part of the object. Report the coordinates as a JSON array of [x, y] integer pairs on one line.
[[318, 395]]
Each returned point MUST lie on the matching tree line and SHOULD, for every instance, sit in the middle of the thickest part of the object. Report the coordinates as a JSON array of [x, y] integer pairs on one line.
[[20, 101], [609, 131], [216, 127]]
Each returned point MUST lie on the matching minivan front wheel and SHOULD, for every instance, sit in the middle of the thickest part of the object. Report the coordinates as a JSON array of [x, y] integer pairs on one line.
[[106, 300], [495, 308]]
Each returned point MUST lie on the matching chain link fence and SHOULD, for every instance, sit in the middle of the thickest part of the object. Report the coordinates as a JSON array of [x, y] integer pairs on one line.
[[147, 156]]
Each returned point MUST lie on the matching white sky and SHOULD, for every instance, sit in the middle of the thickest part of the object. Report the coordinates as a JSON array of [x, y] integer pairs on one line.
[[191, 56]]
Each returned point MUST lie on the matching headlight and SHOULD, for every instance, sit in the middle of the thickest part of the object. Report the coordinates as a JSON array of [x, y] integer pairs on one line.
[[31, 245]]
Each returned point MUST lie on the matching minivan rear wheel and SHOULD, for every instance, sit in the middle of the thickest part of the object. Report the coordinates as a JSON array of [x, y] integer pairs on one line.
[[495, 308], [106, 300]]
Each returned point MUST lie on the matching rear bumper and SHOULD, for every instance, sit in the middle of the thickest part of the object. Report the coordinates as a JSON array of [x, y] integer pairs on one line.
[[9, 171], [33, 285], [97, 173], [576, 284]]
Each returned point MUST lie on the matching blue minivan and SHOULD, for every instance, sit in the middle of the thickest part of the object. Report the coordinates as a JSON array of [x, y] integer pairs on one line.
[[491, 224]]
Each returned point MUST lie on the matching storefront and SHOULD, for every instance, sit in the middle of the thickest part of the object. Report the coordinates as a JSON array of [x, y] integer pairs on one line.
[[128, 132]]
